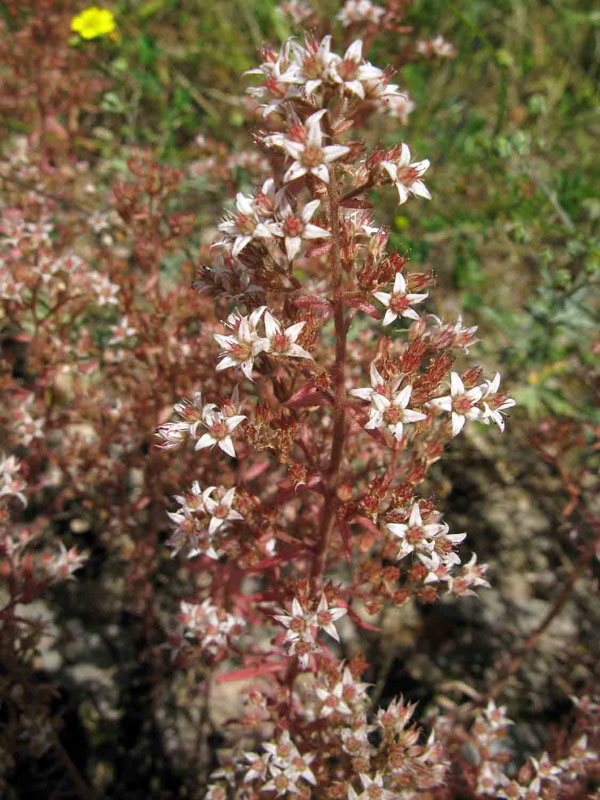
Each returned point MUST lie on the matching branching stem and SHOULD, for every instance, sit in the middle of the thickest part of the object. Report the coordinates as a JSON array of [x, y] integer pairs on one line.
[[330, 501]]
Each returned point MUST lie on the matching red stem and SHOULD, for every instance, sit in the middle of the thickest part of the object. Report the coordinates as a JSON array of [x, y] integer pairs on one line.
[[330, 499]]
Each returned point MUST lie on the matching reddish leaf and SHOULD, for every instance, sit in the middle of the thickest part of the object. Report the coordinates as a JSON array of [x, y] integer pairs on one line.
[[251, 672], [346, 536], [361, 623], [358, 302], [367, 524], [320, 250], [360, 415], [307, 396], [313, 301], [252, 471]]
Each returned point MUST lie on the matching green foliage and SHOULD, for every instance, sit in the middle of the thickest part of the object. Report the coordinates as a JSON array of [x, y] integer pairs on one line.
[[510, 126]]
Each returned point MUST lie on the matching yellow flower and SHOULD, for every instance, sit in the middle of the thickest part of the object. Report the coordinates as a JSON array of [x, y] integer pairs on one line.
[[93, 22]]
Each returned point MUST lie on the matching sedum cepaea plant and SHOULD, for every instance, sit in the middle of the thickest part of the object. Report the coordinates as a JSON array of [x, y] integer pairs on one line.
[[344, 392]]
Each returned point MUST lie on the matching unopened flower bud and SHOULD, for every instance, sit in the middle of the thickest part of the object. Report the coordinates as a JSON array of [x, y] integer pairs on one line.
[[417, 329], [472, 377], [344, 492]]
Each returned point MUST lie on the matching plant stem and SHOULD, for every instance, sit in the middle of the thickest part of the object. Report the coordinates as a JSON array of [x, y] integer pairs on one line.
[[330, 500], [84, 789], [583, 561]]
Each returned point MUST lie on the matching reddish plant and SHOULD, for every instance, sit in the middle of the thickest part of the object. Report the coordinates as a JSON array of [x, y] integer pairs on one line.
[[318, 519]]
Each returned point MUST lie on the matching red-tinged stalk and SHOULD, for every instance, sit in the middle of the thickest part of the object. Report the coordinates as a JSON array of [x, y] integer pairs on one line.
[[330, 500]]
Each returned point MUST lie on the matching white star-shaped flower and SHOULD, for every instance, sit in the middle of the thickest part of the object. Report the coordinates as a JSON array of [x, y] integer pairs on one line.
[[494, 403], [220, 511], [296, 227], [394, 413], [351, 70], [241, 348], [326, 616], [280, 342], [310, 156], [399, 301], [414, 535], [332, 700], [219, 433], [460, 402], [244, 226], [406, 176]]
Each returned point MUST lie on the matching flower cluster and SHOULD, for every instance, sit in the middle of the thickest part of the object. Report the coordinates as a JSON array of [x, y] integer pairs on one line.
[[330, 539], [200, 517], [207, 424], [310, 73], [209, 626], [240, 348]]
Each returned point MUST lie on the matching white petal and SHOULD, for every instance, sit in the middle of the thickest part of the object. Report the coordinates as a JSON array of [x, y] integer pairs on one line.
[[295, 351], [244, 205], [376, 379], [404, 156], [256, 315], [228, 497], [399, 284], [375, 421], [297, 170], [402, 193], [330, 629], [402, 398], [415, 516], [456, 384], [314, 232], [334, 151], [356, 88], [240, 243], [419, 188], [262, 231], [367, 72], [321, 172], [293, 149], [391, 170], [396, 430], [224, 341], [226, 446], [292, 246], [225, 363], [314, 136], [294, 331], [458, 422], [297, 609], [232, 422], [413, 416], [272, 327], [363, 394], [214, 525], [309, 209], [494, 384], [246, 367], [443, 403], [312, 86], [389, 317], [380, 402], [474, 395], [354, 52], [383, 297], [206, 440]]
